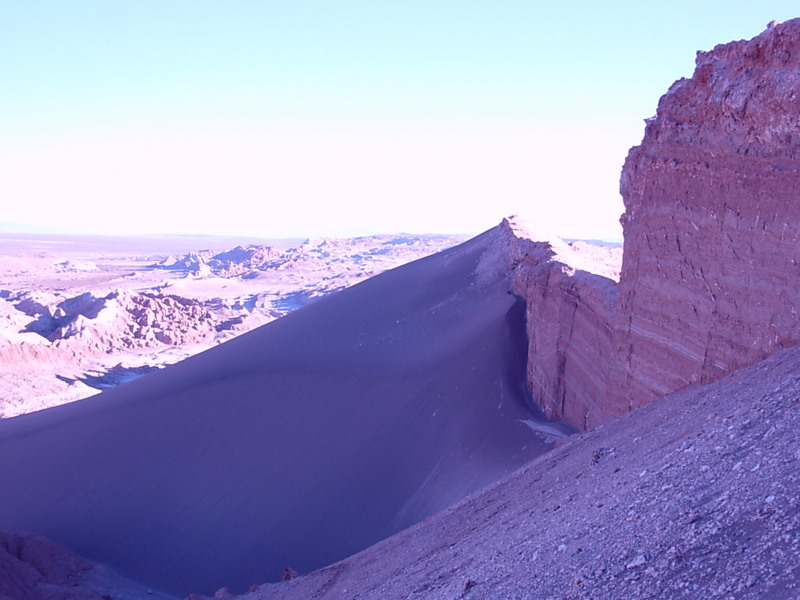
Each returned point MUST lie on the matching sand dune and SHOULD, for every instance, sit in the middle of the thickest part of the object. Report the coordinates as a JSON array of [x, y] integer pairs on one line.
[[296, 444], [692, 496]]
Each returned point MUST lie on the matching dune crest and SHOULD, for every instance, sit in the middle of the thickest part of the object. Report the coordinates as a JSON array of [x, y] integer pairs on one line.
[[296, 444]]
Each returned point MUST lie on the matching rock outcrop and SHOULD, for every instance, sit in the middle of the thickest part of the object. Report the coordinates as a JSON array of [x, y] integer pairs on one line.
[[339, 262], [570, 294], [712, 222], [119, 319], [34, 568], [48, 343], [709, 279]]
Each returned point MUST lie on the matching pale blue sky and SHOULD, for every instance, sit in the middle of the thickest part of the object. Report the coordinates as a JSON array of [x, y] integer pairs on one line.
[[305, 118]]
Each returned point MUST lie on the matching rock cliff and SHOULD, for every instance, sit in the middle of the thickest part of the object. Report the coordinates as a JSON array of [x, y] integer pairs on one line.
[[570, 293], [712, 222], [711, 257], [34, 568]]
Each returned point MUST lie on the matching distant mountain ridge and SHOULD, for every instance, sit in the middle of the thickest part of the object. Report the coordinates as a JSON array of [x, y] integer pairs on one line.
[[361, 256]]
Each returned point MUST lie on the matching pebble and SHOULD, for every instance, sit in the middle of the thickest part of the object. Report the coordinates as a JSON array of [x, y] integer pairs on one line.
[[636, 562]]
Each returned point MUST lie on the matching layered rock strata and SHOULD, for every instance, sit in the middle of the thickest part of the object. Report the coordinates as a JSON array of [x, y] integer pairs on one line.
[[570, 296], [712, 223], [709, 279]]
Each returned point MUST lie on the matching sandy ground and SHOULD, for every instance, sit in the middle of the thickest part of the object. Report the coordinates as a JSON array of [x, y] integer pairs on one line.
[[692, 496], [298, 443]]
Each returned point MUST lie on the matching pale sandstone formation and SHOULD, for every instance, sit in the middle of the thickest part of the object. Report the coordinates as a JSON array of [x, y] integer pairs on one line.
[[87, 325], [47, 342], [107, 322], [334, 263]]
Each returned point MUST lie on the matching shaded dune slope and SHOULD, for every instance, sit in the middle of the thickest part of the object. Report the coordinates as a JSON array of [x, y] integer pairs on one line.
[[691, 496], [297, 444]]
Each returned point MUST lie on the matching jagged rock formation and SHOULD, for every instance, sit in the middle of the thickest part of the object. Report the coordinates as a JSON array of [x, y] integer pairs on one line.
[[12, 322], [75, 266], [46, 338], [117, 320], [44, 327], [34, 568], [243, 260], [342, 261], [193, 263], [712, 222], [568, 314], [711, 260]]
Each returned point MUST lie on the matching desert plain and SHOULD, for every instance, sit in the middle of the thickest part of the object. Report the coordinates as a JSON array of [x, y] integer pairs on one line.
[[79, 314]]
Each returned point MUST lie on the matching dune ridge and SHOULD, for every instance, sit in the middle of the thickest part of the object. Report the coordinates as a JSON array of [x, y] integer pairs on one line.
[[296, 444]]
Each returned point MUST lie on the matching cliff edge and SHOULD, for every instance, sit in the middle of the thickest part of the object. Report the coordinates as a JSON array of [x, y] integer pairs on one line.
[[570, 294], [711, 259], [711, 223]]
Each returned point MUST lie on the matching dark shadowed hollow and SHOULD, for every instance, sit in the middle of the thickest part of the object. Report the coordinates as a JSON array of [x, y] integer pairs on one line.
[[297, 444]]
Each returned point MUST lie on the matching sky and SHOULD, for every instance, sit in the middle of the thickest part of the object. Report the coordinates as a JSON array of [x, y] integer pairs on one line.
[[308, 118]]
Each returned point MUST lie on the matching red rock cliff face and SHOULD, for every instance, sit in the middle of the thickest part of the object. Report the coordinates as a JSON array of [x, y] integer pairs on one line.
[[570, 294], [711, 269], [710, 279]]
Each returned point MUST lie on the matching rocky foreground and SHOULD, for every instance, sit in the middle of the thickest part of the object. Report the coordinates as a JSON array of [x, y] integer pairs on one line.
[[34, 568]]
